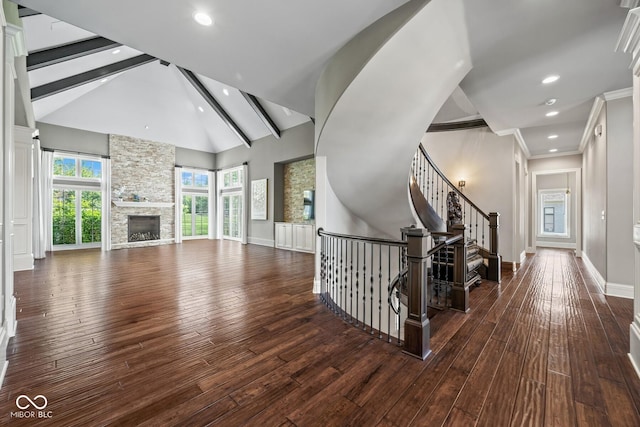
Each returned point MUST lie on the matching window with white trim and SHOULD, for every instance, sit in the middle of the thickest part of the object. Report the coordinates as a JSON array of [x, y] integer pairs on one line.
[[76, 202], [195, 204], [553, 211]]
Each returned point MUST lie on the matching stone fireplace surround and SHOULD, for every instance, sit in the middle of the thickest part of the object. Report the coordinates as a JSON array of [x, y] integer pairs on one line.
[[146, 169]]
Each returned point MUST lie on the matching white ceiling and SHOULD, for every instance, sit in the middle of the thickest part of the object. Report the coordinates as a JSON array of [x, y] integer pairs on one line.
[[276, 51]]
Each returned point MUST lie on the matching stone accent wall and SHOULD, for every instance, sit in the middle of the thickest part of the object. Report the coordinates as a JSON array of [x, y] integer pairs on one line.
[[144, 168], [298, 177]]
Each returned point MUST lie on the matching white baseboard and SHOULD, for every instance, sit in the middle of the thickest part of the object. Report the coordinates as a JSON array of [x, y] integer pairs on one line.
[[523, 256], [261, 242], [23, 262], [619, 290], [595, 273], [316, 286], [634, 354], [530, 250], [556, 245]]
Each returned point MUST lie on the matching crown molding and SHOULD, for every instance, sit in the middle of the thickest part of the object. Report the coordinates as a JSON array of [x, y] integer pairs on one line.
[[16, 36], [598, 103], [629, 39], [618, 94], [629, 4], [558, 154], [518, 136]]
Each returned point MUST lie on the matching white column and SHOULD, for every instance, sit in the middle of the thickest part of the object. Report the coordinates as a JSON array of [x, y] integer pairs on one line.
[[630, 42], [23, 198], [4, 334]]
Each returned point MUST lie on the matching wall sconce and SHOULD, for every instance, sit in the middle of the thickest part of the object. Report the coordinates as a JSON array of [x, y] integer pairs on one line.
[[461, 184]]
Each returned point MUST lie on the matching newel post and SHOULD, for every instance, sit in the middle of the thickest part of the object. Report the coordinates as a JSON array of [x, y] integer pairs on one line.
[[459, 288], [416, 326], [495, 260]]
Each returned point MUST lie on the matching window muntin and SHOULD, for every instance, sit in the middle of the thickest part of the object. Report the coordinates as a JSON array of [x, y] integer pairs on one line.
[[553, 213]]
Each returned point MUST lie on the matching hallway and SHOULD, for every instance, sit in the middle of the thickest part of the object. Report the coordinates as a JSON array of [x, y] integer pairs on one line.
[[214, 332]]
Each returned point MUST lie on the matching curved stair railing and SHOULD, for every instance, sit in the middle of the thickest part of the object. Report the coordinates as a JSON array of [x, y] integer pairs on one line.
[[430, 188]]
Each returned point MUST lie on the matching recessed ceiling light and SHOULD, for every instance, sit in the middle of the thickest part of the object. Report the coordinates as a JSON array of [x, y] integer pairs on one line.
[[146, 126], [553, 150], [200, 109], [286, 111], [551, 113], [550, 79], [554, 136], [104, 80], [225, 91], [115, 52], [550, 101], [203, 19]]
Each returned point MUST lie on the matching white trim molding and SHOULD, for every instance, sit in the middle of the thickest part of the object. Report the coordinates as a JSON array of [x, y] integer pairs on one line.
[[619, 290], [559, 154], [556, 245], [634, 335], [618, 94], [595, 273], [261, 242], [518, 136], [598, 103]]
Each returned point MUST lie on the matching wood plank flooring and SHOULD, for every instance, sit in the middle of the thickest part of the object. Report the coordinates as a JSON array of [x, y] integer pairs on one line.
[[216, 333]]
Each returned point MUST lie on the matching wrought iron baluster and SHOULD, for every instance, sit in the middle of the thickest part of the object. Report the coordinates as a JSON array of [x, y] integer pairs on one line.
[[371, 293], [351, 285], [389, 296], [346, 278], [364, 286], [339, 274], [357, 282], [483, 225], [380, 290]]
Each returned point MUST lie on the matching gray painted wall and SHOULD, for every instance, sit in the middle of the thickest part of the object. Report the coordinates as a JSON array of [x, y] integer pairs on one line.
[[595, 197], [263, 159], [195, 159], [620, 248], [74, 140]]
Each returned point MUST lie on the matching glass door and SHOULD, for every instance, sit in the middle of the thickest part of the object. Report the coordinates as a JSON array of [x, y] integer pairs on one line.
[[232, 214], [77, 217], [195, 216]]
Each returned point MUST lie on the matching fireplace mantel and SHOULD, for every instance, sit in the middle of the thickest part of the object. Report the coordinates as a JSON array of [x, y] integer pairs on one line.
[[124, 204]]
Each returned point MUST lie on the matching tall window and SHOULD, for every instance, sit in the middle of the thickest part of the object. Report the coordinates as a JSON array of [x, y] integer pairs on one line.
[[553, 213], [195, 204], [77, 202], [231, 203]]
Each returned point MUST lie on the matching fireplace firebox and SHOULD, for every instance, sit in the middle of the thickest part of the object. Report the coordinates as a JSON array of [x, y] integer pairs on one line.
[[144, 227]]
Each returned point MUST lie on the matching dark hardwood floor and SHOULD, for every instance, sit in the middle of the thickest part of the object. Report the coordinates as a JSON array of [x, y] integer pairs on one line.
[[216, 333]]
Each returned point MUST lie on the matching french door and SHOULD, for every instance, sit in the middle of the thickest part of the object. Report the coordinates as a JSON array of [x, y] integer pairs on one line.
[[77, 218], [232, 216], [195, 216]]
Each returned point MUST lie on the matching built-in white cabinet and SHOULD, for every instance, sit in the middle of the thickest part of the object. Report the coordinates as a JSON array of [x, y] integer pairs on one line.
[[297, 237]]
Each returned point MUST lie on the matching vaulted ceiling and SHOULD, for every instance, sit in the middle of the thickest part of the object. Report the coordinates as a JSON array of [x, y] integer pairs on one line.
[[273, 52]]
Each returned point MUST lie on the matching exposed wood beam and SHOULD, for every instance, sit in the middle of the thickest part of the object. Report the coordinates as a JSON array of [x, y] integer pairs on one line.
[[204, 92], [55, 55], [67, 83], [23, 12], [262, 114], [467, 124]]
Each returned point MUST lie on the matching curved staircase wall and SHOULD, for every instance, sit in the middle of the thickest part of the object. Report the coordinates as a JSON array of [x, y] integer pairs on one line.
[[373, 105]]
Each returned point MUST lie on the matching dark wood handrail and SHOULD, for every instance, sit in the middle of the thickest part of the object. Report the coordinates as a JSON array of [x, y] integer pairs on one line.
[[445, 179], [373, 240], [450, 241]]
